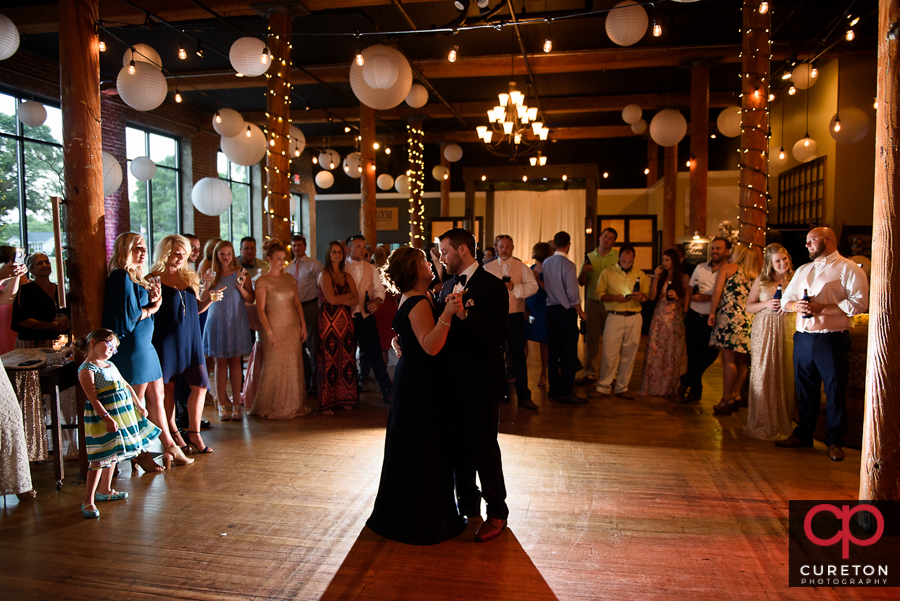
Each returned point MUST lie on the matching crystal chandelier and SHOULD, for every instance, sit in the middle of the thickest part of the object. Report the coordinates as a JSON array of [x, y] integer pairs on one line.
[[514, 130]]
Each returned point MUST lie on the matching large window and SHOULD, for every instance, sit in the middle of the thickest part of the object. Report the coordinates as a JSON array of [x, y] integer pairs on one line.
[[155, 205], [235, 223]]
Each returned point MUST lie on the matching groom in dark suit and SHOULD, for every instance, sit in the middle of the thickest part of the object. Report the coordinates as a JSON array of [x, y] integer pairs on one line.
[[474, 355]]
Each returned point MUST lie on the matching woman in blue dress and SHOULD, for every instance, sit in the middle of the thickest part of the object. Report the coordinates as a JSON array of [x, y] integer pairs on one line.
[[130, 304], [536, 326], [227, 333], [176, 335]]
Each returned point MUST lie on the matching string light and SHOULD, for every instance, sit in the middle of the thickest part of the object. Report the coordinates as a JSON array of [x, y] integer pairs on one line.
[[264, 57], [837, 125], [548, 45], [101, 41], [875, 104], [850, 36], [792, 90], [219, 118], [249, 133], [182, 53], [452, 56], [646, 170], [387, 150], [483, 178], [763, 7], [657, 29], [781, 154], [199, 50], [178, 98], [605, 174]]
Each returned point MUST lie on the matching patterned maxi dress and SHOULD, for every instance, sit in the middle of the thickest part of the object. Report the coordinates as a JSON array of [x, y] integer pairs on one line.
[[135, 433], [665, 358], [337, 363], [15, 473], [771, 400], [732, 329]]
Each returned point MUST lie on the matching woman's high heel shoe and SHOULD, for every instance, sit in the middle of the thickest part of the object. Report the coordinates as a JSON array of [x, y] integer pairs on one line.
[[178, 456], [725, 407], [187, 447], [146, 462]]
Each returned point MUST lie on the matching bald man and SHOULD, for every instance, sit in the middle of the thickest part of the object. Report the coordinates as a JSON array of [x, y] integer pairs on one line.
[[824, 294]]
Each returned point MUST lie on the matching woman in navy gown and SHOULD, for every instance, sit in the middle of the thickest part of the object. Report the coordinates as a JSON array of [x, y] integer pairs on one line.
[[416, 503]]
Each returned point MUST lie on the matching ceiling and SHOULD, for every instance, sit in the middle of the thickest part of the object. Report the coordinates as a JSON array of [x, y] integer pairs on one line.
[[582, 84]]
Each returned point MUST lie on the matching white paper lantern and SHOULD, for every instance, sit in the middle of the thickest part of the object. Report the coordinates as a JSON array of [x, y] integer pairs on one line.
[[229, 123], [211, 196], [805, 150], [854, 125], [804, 76], [729, 121], [298, 142], [378, 98], [143, 91], [324, 179], [401, 184], [143, 169], [112, 174], [380, 72], [417, 97], [626, 23], [293, 205], [247, 57], [639, 127], [668, 127], [32, 114], [353, 165], [329, 159], [440, 173], [142, 53], [453, 152], [385, 181], [9, 38], [631, 114], [243, 149]]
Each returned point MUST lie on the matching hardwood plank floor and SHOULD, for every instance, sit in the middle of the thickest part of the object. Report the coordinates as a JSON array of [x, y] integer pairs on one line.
[[615, 499]]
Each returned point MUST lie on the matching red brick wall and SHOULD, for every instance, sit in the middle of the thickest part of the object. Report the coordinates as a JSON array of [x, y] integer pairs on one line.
[[118, 217], [204, 147]]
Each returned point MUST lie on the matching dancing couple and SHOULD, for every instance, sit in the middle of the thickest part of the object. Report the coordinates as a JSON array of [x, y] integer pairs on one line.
[[439, 437]]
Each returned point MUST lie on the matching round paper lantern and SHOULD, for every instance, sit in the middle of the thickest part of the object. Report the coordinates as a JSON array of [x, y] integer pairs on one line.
[[401, 184], [381, 98], [668, 127], [804, 76], [729, 121], [854, 125], [298, 142], [440, 173], [805, 150], [142, 54], [417, 97], [229, 123], [112, 174], [626, 23], [143, 91], [631, 114], [143, 169], [453, 152], [385, 181], [329, 158], [246, 56], [9, 38], [211, 196], [353, 165], [243, 149], [32, 114], [639, 127], [380, 72], [324, 179]]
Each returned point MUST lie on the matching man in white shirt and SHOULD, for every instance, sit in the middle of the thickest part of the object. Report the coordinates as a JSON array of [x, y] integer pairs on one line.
[[306, 271], [520, 283], [368, 285], [697, 331], [825, 294]]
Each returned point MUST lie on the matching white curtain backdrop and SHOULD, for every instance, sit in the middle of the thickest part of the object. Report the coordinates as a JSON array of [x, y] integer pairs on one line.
[[532, 217]]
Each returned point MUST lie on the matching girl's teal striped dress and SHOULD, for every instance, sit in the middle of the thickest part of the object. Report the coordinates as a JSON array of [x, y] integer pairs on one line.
[[134, 433]]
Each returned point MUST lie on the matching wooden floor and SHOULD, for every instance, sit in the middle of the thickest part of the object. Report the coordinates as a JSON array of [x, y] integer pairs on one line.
[[611, 500]]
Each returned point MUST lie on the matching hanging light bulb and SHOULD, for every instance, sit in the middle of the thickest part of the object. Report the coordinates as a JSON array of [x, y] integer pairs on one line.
[[712, 136], [376, 145], [178, 98], [249, 133], [763, 7], [850, 35], [524, 178], [199, 50], [565, 177], [875, 104], [296, 152], [264, 57], [315, 160], [548, 45], [837, 125], [360, 61], [781, 154], [218, 117], [792, 90], [387, 150], [101, 42], [182, 53], [483, 178], [452, 56], [346, 129], [131, 67], [756, 94], [787, 75], [657, 29], [806, 140], [646, 170], [771, 97]]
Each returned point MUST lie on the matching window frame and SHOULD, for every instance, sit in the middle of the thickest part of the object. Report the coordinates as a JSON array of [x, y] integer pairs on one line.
[[231, 183], [148, 200]]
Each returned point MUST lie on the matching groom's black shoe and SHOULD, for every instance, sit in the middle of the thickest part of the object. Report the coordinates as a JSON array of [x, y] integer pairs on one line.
[[490, 529]]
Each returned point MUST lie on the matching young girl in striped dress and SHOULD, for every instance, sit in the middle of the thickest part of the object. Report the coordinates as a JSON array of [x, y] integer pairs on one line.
[[115, 422]]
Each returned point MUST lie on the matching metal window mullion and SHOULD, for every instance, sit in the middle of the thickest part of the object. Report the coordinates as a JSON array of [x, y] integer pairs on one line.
[[23, 201]]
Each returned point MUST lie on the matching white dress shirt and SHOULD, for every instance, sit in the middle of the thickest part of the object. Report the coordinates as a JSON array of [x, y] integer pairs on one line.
[[363, 274], [832, 280], [705, 278], [306, 271], [520, 276]]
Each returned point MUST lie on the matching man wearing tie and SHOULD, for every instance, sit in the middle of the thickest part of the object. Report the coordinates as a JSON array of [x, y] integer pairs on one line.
[[836, 288], [306, 271]]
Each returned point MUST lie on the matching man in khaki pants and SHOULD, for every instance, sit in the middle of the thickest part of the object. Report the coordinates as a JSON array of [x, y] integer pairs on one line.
[[595, 262]]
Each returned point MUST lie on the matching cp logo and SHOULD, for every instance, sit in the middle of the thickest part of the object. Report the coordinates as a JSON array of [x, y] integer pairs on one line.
[[843, 514]]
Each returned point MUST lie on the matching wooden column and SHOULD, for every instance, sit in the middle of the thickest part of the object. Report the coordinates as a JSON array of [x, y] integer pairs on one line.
[[470, 204], [699, 145], [670, 187], [445, 186], [79, 68], [416, 174], [278, 122], [590, 212], [652, 162], [754, 124], [367, 207], [880, 465]]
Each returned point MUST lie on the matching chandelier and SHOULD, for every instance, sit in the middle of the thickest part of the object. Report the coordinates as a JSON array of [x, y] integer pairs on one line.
[[514, 130]]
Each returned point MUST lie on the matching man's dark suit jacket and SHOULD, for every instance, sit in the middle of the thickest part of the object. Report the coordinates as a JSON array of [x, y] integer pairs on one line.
[[474, 348]]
